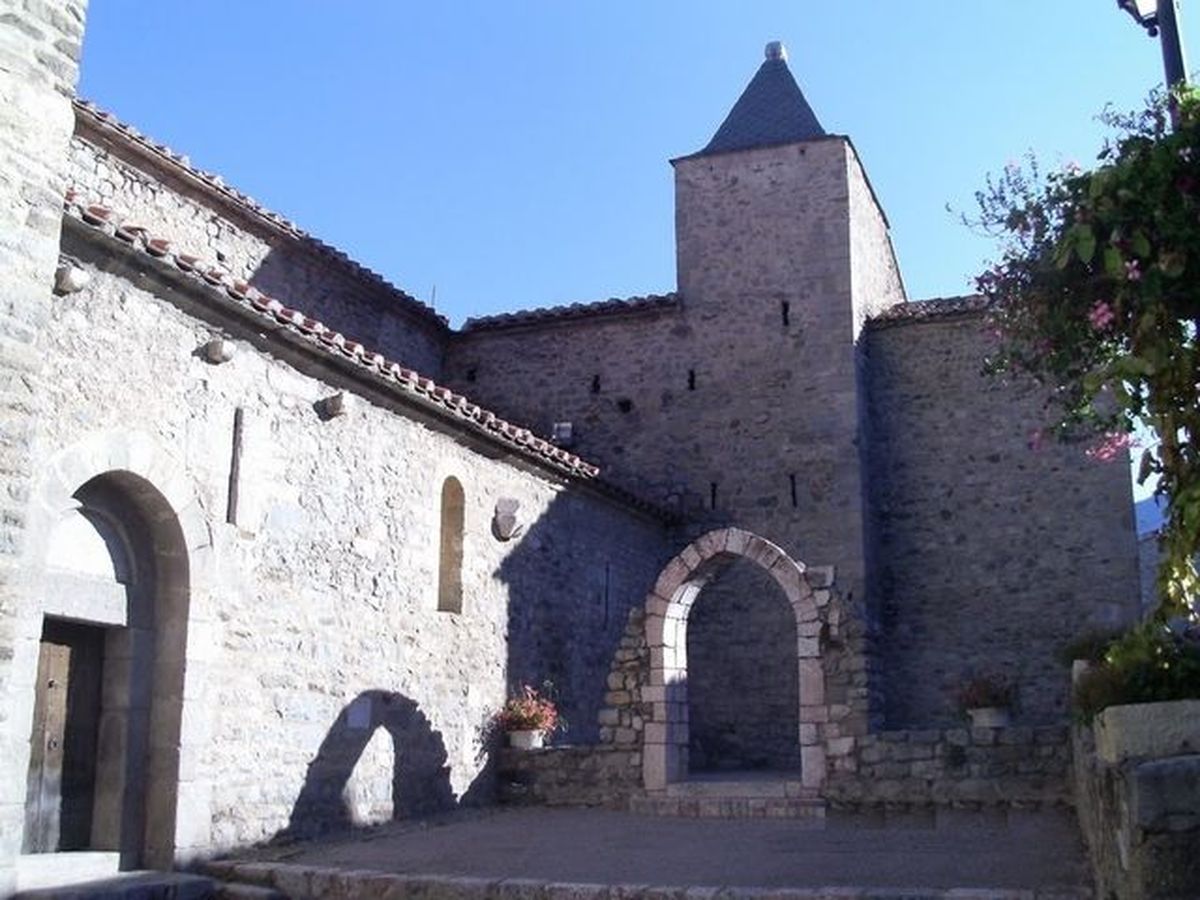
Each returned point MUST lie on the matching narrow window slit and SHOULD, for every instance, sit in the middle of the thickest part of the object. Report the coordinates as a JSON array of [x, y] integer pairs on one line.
[[792, 479], [786, 309], [691, 379], [712, 495], [595, 384], [472, 374], [235, 469]]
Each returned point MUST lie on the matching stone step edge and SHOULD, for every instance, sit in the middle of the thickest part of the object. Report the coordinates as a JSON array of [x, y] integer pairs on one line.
[[729, 807], [323, 883]]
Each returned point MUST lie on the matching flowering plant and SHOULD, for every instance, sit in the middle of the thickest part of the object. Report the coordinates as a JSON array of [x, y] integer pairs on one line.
[[1095, 296], [529, 711], [983, 691]]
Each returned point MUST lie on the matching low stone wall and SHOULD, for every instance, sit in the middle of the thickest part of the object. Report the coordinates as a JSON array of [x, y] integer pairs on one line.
[[570, 776], [1141, 820], [965, 767]]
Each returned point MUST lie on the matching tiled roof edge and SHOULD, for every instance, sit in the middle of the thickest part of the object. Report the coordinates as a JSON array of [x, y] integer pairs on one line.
[[122, 131], [406, 382], [552, 314], [924, 310]]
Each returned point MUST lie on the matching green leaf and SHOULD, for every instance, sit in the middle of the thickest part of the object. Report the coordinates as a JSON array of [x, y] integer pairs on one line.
[[1112, 261], [1141, 243], [1085, 243]]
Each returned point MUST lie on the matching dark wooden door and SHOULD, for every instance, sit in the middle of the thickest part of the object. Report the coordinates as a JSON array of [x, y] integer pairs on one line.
[[62, 759]]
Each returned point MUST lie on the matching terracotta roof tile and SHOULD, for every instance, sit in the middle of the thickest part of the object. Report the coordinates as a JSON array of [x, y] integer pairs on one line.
[[922, 310], [553, 314], [110, 125], [405, 381]]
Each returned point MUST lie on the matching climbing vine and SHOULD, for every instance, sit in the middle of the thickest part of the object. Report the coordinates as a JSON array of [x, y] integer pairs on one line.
[[1097, 295]]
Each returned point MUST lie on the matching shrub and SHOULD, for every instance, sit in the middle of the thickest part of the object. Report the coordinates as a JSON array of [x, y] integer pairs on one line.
[[1150, 663], [1090, 645]]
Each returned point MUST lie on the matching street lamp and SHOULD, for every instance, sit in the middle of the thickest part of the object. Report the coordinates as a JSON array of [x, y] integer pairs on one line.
[[1161, 19]]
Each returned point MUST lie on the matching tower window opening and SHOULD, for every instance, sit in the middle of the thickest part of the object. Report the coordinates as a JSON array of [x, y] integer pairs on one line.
[[691, 379], [595, 384], [785, 310]]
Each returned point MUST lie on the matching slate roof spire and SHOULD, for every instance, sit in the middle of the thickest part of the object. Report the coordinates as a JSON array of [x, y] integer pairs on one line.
[[772, 110]]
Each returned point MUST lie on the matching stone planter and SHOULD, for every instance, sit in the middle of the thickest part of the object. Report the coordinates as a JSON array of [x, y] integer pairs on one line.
[[989, 717], [1148, 730], [527, 740]]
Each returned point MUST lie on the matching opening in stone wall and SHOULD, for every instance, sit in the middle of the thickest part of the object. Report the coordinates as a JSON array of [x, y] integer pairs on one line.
[[743, 682]]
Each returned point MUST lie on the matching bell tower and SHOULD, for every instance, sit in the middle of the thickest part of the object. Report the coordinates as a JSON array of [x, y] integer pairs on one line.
[[782, 251]]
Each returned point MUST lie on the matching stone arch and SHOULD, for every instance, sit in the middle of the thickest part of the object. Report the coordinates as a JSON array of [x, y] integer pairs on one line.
[[128, 478], [665, 747]]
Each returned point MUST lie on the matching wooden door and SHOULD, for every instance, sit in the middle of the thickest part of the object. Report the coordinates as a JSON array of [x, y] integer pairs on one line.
[[62, 758]]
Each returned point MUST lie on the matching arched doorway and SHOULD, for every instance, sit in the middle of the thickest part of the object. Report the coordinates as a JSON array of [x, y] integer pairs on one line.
[[742, 683], [668, 610], [120, 554], [108, 694]]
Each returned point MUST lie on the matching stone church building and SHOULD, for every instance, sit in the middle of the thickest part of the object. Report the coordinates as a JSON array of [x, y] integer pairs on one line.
[[276, 542]]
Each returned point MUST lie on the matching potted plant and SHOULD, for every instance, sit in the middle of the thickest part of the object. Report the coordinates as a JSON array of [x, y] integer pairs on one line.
[[528, 718], [987, 699]]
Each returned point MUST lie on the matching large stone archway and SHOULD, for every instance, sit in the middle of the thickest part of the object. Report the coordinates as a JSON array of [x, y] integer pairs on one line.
[[151, 807], [665, 747]]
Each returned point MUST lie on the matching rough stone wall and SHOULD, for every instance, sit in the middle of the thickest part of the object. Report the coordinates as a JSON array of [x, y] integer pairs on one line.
[[39, 54], [1141, 821], [991, 554], [154, 194], [570, 776], [743, 680], [874, 272], [962, 767], [325, 626]]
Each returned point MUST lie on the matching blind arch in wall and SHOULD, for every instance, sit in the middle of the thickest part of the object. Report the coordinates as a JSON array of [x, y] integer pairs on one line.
[[450, 556]]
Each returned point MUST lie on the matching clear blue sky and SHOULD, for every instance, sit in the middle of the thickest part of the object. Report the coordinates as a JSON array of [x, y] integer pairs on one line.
[[514, 154]]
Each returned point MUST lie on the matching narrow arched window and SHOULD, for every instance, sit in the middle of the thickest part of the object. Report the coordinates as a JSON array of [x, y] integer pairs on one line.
[[451, 554]]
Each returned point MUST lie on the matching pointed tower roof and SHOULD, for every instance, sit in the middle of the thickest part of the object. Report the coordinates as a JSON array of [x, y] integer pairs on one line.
[[772, 110]]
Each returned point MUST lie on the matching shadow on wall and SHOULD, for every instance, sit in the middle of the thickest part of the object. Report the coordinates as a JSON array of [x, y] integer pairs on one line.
[[572, 579], [419, 777]]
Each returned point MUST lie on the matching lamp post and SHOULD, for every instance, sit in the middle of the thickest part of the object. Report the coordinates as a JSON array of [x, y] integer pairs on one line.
[[1161, 18]]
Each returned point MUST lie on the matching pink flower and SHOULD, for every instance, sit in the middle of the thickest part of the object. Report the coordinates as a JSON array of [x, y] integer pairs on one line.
[[1101, 316], [1132, 272], [1109, 446], [1036, 438]]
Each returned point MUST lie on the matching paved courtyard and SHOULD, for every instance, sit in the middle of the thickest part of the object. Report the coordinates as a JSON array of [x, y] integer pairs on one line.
[[959, 850]]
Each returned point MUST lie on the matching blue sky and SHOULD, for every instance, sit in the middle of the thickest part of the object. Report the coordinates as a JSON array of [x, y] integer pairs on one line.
[[514, 154]]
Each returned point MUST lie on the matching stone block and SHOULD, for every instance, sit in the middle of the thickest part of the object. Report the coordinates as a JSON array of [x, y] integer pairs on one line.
[[1148, 730], [1166, 794]]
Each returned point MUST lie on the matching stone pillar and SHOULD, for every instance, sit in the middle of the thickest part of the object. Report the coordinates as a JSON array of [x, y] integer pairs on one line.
[[40, 44]]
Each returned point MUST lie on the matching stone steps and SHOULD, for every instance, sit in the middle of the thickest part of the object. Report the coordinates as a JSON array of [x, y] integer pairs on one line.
[[729, 807], [734, 796], [130, 886], [317, 883]]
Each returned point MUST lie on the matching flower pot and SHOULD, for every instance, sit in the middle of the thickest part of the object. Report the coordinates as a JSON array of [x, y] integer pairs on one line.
[[527, 740], [989, 717]]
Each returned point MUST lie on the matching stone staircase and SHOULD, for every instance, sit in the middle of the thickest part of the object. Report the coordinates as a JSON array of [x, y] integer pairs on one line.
[[734, 795], [151, 886]]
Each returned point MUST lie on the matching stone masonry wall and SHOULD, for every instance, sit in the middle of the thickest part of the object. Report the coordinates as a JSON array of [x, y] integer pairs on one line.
[[160, 196], [39, 55], [743, 682], [961, 767], [991, 555], [325, 617]]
